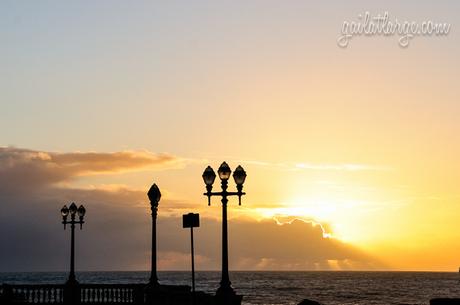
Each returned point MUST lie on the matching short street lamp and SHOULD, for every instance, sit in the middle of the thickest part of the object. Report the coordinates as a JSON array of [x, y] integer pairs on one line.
[[239, 175], [73, 211], [154, 195]]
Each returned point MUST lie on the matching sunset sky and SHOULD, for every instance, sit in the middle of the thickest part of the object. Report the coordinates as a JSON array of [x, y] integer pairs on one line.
[[352, 154]]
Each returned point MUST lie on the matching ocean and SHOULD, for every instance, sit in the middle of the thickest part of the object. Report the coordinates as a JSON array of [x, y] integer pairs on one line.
[[327, 287]]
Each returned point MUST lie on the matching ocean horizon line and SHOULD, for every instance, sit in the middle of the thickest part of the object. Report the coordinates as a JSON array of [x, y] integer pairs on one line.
[[236, 271]]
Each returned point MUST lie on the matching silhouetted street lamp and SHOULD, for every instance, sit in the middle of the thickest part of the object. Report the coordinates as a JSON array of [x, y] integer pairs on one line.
[[239, 176], [73, 211], [154, 196]]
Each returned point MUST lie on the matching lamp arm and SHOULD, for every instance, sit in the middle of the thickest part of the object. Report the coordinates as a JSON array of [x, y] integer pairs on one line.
[[236, 193]]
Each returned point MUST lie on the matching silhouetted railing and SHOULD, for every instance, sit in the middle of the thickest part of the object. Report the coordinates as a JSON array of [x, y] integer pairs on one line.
[[34, 294], [113, 294], [97, 294]]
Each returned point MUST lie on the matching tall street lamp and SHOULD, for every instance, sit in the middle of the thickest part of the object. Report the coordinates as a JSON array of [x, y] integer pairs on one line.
[[73, 211], [154, 195], [239, 176]]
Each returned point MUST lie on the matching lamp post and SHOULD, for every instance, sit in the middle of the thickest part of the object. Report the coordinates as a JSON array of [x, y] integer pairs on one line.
[[225, 288], [73, 211], [154, 195]]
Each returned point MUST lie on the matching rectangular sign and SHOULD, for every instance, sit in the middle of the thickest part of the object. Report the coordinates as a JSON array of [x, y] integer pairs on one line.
[[190, 220]]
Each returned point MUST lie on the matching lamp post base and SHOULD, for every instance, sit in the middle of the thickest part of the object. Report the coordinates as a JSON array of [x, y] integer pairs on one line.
[[71, 281], [151, 290], [225, 290], [72, 292], [153, 284], [225, 295]]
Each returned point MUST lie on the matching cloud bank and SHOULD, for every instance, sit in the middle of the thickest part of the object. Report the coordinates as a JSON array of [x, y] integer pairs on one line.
[[116, 235], [41, 168]]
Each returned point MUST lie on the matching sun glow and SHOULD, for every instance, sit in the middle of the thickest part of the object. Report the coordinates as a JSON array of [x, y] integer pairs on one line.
[[337, 216]]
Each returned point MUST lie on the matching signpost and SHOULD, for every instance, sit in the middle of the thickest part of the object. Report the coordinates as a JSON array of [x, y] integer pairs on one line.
[[191, 221]]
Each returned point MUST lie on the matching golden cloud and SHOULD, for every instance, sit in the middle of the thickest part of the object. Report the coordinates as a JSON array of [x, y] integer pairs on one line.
[[41, 167]]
